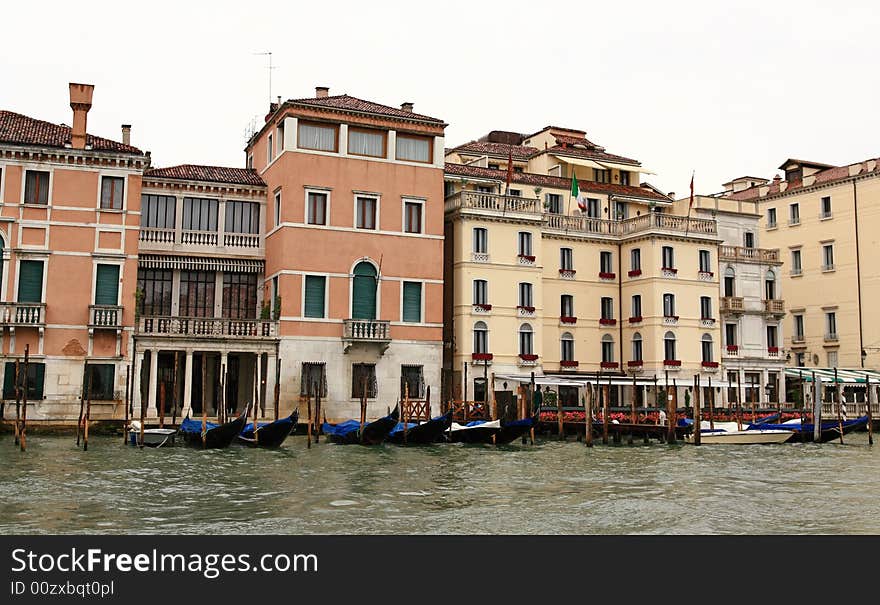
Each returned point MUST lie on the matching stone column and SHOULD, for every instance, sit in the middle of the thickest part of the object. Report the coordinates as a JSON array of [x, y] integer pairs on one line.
[[153, 393], [258, 372], [137, 365], [271, 371], [187, 384], [224, 369]]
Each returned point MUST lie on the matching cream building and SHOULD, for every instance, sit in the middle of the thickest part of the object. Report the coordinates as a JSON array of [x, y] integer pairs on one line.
[[824, 220], [610, 283]]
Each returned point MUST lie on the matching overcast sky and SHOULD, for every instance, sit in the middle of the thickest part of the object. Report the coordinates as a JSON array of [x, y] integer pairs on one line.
[[722, 89]]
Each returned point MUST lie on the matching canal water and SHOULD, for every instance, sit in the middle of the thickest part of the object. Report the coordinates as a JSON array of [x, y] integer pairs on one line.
[[548, 488]]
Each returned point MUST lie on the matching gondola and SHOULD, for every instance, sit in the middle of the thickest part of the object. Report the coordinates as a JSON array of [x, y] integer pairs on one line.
[[349, 432], [476, 431], [216, 435], [511, 431], [804, 432], [430, 431], [152, 437], [269, 434]]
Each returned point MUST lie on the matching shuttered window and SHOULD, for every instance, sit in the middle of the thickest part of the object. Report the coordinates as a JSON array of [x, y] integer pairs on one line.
[[36, 373], [102, 375], [314, 299], [30, 281], [363, 296], [412, 301], [36, 187], [107, 285]]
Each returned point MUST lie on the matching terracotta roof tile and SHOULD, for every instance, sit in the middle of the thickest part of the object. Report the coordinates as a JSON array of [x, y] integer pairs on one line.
[[567, 140], [215, 174], [823, 177], [543, 180], [518, 152], [350, 103], [592, 155], [22, 130]]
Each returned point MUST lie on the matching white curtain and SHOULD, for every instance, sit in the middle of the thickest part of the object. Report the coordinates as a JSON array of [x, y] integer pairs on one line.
[[366, 143], [322, 138], [415, 150]]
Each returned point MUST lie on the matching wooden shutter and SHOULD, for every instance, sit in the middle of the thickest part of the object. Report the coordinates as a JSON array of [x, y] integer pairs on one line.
[[9, 380], [36, 377], [412, 301], [30, 281], [107, 285], [363, 296], [314, 296]]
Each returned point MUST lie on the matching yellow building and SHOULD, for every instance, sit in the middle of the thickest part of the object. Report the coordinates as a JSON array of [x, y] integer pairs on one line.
[[608, 282], [824, 220]]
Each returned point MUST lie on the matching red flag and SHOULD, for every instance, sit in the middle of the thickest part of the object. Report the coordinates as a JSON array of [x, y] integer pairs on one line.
[[692, 192], [509, 166]]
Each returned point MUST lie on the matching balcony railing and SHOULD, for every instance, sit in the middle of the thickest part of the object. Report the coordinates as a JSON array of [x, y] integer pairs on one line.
[[198, 238], [493, 201], [168, 237], [241, 240], [739, 253], [207, 327], [369, 330], [831, 336], [23, 314], [105, 316], [774, 306], [731, 304], [155, 235]]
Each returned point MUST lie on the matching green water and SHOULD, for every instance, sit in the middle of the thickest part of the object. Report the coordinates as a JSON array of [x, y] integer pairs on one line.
[[547, 488]]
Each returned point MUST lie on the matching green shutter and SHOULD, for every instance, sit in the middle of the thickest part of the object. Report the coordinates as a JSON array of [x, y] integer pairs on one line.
[[363, 296], [9, 380], [315, 296], [36, 376], [30, 281], [412, 301], [107, 285]]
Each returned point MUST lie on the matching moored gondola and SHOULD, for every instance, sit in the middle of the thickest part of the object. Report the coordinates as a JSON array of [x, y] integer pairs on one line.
[[804, 432], [216, 435], [269, 434], [430, 431], [349, 432], [510, 431], [477, 431]]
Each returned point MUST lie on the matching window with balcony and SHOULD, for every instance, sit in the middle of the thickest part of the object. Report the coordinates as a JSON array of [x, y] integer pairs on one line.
[[637, 347], [730, 335], [481, 240], [363, 291], [566, 342], [831, 325], [158, 211], [748, 239], [668, 258], [36, 187], [412, 217], [636, 312], [635, 262], [363, 381], [365, 212], [772, 339], [366, 142], [825, 207], [412, 301], [553, 203], [314, 379], [481, 292], [592, 207], [112, 190], [798, 334], [705, 307], [32, 384], [316, 208], [525, 297], [771, 218], [621, 211], [606, 268], [729, 282], [413, 148], [566, 259], [30, 281], [525, 340], [315, 296], [607, 349], [99, 381], [607, 311], [705, 261], [107, 285], [669, 347], [197, 293], [242, 217], [828, 257], [200, 214], [155, 287], [566, 303], [706, 349], [481, 338], [794, 214], [524, 248], [318, 137], [669, 305], [796, 268], [770, 285]]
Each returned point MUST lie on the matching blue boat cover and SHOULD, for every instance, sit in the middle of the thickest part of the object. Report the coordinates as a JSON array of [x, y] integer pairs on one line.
[[808, 427], [523, 422], [399, 427], [475, 423], [341, 429], [194, 426]]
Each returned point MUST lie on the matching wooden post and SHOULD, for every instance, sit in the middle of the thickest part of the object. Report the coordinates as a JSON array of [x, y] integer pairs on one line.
[[88, 414], [464, 399], [405, 409], [127, 396], [162, 405], [752, 398], [588, 417], [174, 391], [836, 396], [559, 418], [672, 414], [82, 403], [22, 436], [256, 406], [18, 407], [309, 412], [697, 415], [276, 392], [494, 408], [711, 405], [633, 417], [605, 395], [318, 429], [870, 413], [529, 407], [428, 399], [817, 410], [204, 399], [670, 411], [803, 406], [221, 411], [143, 411]]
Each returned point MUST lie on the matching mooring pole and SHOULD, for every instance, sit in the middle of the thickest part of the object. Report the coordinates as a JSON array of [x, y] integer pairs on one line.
[[633, 411], [711, 406], [817, 410], [18, 406], [868, 398], [127, 396], [672, 413], [698, 420], [605, 396], [23, 434], [836, 395], [588, 416], [88, 414]]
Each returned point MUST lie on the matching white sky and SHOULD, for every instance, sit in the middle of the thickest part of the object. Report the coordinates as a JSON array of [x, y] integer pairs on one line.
[[724, 90]]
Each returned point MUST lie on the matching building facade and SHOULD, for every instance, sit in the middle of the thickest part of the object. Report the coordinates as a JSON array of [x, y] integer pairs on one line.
[[823, 219], [68, 227], [609, 282], [354, 249]]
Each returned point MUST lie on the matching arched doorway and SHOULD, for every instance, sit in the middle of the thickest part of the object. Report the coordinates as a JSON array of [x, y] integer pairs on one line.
[[363, 292]]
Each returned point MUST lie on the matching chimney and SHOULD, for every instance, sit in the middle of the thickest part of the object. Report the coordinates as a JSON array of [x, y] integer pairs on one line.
[[126, 134], [406, 106], [81, 103], [322, 92]]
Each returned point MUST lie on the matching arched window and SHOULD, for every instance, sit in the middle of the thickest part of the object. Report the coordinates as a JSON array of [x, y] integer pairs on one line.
[[669, 346], [729, 278], [607, 348], [637, 347], [706, 344], [525, 339], [567, 344], [363, 291], [770, 285], [481, 337]]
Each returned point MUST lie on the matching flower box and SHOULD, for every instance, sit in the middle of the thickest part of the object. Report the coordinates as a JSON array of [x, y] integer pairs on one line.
[[604, 275], [732, 348], [635, 320], [672, 362], [773, 349], [710, 364], [607, 322], [568, 320], [567, 271], [527, 257], [609, 365], [707, 273], [481, 356], [528, 357], [669, 270], [635, 273], [483, 306], [636, 363], [568, 363], [710, 319]]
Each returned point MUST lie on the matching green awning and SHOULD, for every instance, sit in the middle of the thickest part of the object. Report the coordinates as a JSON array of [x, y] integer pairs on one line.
[[844, 375]]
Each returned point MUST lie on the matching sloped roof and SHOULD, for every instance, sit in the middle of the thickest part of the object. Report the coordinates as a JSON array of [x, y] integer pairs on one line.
[[517, 152], [349, 103], [23, 130], [823, 177], [214, 174]]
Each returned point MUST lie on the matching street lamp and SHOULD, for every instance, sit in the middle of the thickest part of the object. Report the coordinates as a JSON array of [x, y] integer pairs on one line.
[[864, 357]]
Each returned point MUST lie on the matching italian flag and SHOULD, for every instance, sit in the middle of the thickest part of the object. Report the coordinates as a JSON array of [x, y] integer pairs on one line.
[[575, 192]]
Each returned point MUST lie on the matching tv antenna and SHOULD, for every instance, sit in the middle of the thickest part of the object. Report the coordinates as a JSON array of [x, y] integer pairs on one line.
[[269, 67]]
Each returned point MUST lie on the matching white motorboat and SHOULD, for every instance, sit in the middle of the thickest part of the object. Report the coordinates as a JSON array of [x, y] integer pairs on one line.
[[751, 437], [152, 437]]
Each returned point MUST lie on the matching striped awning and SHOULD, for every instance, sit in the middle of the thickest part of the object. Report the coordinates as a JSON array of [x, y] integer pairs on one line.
[[582, 380], [844, 375], [201, 263]]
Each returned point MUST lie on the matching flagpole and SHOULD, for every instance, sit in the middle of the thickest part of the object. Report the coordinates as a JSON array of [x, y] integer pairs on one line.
[[690, 205]]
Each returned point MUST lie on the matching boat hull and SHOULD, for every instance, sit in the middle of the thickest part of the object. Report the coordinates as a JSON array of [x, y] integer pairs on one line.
[[153, 437], [511, 431], [373, 433], [270, 435], [753, 437], [216, 437], [829, 432], [424, 433]]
